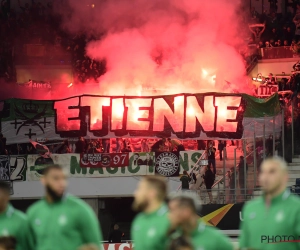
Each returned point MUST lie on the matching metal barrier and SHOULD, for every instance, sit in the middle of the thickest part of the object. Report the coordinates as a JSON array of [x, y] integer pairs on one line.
[[277, 52]]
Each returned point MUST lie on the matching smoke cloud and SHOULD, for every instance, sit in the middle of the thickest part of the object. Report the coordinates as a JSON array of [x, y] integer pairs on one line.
[[162, 46]]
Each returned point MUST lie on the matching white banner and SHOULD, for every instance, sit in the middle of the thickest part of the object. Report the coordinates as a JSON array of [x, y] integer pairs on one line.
[[71, 162]]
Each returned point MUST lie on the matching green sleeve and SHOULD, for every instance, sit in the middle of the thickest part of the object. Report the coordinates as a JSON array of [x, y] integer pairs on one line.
[[243, 231], [30, 237], [89, 227], [223, 241], [134, 232], [297, 225], [23, 237]]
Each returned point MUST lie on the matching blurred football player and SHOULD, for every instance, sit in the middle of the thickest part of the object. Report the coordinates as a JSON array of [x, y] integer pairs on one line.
[[180, 243], [150, 227], [275, 213], [183, 215], [13, 222], [59, 219]]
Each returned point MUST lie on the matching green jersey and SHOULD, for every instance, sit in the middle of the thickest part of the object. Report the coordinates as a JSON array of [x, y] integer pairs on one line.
[[14, 223], [263, 227], [67, 224], [209, 238], [149, 230]]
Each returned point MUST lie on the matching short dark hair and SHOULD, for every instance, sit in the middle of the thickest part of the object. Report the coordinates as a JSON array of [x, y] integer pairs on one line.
[[187, 200], [159, 183], [47, 169], [179, 242], [5, 186], [8, 242], [185, 172]]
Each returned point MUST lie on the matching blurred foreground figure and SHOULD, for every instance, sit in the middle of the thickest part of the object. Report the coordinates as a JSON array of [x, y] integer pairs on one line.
[[13, 223], [61, 221], [8, 243], [272, 221], [150, 227], [183, 209], [180, 243]]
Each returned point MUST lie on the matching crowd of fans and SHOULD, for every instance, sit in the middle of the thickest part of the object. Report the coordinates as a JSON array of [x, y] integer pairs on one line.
[[36, 23], [273, 29]]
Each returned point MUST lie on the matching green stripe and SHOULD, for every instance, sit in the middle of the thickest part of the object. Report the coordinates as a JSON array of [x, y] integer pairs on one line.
[[259, 107]]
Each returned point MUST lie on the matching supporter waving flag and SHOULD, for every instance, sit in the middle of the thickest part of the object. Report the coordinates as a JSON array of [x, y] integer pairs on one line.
[[41, 149]]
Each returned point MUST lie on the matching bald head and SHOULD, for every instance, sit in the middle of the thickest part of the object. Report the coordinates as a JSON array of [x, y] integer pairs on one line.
[[273, 177], [276, 162]]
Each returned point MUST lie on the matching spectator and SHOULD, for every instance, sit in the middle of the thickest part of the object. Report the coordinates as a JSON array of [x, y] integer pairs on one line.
[[211, 156], [106, 145], [269, 146], [64, 148], [159, 145], [242, 175], [147, 162], [271, 79], [232, 184], [268, 45], [119, 142], [144, 145], [175, 145], [209, 179], [80, 146], [254, 14], [274, 35], [126, 146], [201, 144], [288, 35], [185, 180], [116, 235], [221, 146], [257, 32], [296, 20], [3, 150]]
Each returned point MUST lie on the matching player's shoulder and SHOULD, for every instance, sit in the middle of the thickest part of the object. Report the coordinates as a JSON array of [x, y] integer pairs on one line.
[[209, 229], [35, 207], [17, 213], [138, 218], [253, 204], [77, 202], [163, 211], [215, 233]]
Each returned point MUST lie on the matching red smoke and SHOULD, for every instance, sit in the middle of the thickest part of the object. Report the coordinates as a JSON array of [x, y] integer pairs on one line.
[[171, 46]]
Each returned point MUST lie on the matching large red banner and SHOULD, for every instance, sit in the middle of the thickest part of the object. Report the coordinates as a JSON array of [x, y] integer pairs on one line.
[[122, 246], [103, 160]]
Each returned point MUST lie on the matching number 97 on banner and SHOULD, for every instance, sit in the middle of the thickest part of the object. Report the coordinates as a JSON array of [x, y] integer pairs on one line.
[[119, 159]]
